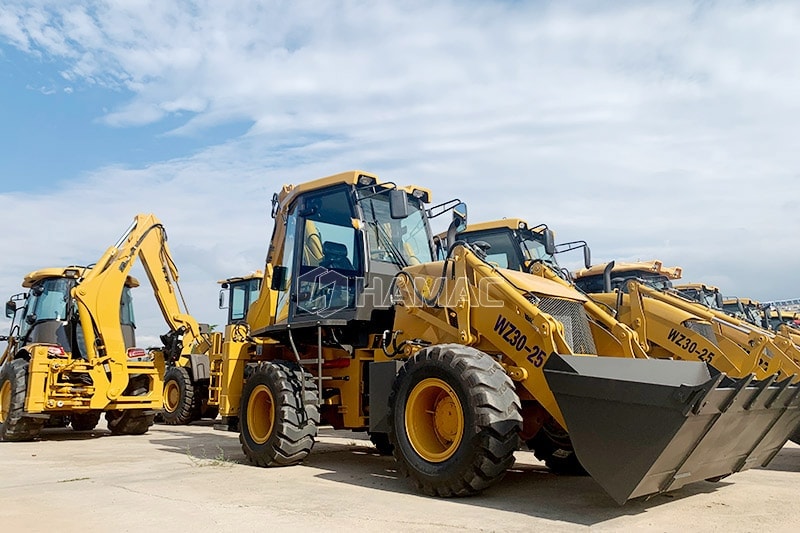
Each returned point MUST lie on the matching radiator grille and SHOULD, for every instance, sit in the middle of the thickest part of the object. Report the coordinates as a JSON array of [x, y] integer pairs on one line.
[[576, 324]]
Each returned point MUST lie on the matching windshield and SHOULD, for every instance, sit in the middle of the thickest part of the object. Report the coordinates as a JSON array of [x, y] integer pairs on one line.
[[51, 302], [532, 245], [126, 317], [47, 300], [402, 241]]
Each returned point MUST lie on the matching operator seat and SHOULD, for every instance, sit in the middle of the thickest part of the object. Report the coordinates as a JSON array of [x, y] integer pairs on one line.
[[334, 256]]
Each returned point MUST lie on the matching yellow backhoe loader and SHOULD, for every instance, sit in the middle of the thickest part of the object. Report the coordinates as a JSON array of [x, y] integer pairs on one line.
[[450, 363], [71, 350]]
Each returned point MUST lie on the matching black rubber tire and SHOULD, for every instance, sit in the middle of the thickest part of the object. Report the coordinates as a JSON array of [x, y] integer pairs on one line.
[[382, 443], [552, 446], [56, 421], [16, 426], [491, 421], [84, 421], [129, 421], [294, 419], [185, 410]]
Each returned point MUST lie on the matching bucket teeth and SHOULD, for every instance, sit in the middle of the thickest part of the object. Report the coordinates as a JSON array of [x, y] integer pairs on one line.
[[646, 426]]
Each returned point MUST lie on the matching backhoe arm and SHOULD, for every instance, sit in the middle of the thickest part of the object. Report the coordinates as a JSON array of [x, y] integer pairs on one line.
[[99, 292]]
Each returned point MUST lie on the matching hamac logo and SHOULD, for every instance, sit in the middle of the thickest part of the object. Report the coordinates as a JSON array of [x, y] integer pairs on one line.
[[323, 292]]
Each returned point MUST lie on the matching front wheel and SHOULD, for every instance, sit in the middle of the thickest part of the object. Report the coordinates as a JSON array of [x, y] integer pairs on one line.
[[277, 422], [454, 420], [13, 389]]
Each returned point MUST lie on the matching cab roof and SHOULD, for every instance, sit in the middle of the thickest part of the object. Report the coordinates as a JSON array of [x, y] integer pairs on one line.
[[71, 272], [655, 266], [258, 274], [352, 177], [696, 286], [744, 301], [510, 223]]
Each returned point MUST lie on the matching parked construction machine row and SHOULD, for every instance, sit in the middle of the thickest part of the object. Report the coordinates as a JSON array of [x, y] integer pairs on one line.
[[640, 295], [451, 363], [71, 352]]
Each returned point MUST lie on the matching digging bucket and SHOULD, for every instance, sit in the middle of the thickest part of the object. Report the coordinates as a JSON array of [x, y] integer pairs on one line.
[[647, 426]]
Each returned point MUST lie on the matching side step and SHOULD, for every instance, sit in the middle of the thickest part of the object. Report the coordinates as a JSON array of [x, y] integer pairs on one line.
[[647, 426]]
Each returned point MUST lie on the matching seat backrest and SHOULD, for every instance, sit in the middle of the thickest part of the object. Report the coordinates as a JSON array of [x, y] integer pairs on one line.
[[334, 255]]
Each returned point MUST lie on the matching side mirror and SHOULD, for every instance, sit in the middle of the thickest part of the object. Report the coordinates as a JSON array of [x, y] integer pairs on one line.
[[587, 256], [11, 308], [549, 242], [398, 203], [280, 278], [460, 217], [222, 303]]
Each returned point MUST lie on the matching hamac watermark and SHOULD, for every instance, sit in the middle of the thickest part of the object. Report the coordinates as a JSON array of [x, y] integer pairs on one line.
[[324, 292]]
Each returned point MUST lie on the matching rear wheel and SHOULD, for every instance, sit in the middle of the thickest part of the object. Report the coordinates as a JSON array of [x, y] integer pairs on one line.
[[277, 424], [84, 421], [454, 420], [179, 397], [13, 389]]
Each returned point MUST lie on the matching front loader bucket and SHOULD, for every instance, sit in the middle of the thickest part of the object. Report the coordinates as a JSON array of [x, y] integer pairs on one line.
[[646, 426]]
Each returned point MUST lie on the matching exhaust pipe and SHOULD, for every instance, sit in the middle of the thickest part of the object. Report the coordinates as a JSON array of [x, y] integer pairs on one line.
[[607, 276]]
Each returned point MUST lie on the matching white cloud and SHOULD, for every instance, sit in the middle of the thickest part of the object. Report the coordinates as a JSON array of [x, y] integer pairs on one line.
[[661, 130]]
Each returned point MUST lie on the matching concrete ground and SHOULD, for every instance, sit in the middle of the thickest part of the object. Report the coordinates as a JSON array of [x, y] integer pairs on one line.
[[190, 478]]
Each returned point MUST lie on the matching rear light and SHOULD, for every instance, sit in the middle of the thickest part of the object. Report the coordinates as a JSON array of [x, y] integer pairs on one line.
[[342, 362], [138, 354], [56, 351]]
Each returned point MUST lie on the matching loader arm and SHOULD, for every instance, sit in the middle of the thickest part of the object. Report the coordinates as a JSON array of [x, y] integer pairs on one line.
[[501, 312], [764, 355]]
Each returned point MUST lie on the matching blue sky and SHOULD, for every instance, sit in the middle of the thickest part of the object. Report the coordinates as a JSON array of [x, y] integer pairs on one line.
[[650, 129], [54, 129]]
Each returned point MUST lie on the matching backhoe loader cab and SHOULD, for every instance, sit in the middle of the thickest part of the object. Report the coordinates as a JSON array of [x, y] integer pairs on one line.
[[238, 293], [592, 280], [707, 295], [510, 243], [48, 314], [746, 309]]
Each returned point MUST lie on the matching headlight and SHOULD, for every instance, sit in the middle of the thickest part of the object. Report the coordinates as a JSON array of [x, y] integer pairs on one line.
[[703, 328]]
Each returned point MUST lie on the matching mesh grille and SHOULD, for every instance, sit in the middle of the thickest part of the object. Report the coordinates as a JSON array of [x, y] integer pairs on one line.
[[576, 325]]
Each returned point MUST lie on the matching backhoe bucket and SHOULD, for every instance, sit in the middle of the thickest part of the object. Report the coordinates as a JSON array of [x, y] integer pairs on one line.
[[646, 426]]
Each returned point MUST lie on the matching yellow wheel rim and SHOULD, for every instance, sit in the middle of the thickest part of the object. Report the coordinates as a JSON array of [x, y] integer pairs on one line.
[[172, 395], [260, 414], [434, 420], [5, 401]]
